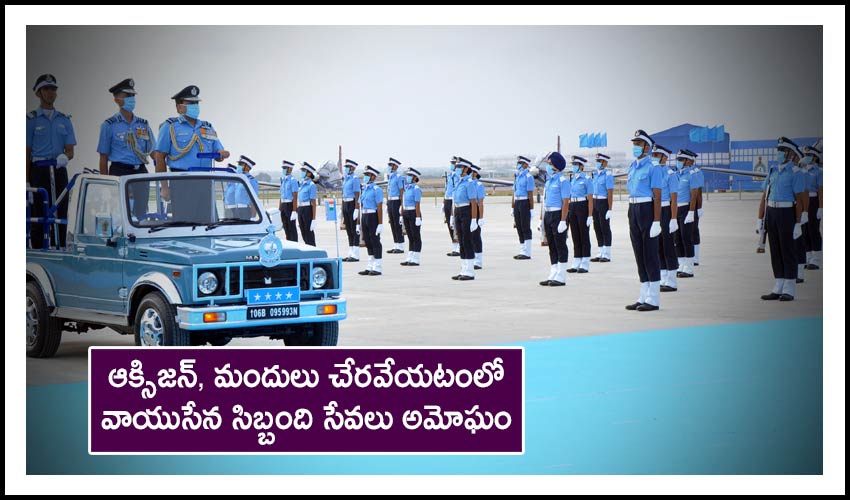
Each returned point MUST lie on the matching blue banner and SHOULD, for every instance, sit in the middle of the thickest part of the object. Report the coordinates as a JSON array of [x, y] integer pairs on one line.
[[582, 141]]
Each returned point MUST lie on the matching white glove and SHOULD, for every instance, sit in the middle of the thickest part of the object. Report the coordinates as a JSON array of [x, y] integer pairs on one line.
[[401, 210], [480, 222], [357, 228], [804, 217], [699, 212], [452, 221], [589, 220], [689, 219], [759, 226], [655, 229], [293, 216], [674, 226], [798, 230], [562, 226], [607, 215], [61, 160], [540, 226], [379, 229], [313, 225], [532, 213], [418, 221], [820, 214], [356, 213], [512, 211], [473, 225]]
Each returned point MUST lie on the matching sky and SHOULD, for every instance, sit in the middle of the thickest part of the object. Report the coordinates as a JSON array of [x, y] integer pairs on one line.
[[422, 94]]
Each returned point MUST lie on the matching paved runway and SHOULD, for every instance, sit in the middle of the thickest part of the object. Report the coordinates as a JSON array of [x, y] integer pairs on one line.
[[423, 306]]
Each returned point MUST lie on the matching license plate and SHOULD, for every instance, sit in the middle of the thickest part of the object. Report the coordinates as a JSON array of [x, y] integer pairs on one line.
[[274, 312]]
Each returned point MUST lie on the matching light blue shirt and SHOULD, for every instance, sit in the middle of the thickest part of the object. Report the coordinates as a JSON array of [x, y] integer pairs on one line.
[[452, 178], [602, 182], [412, 195], [395, 183], [784, 183], [48, 136], [230, 194], [643, 178], [371, 196], [306, 191], [114, 134], [669, 183], [557, 189], [184, 132], [697, 178], [465, 191], [523, 183], [288, 188], [580, 186], [683, 190], [350, 185], [480, 189], [814, 178]]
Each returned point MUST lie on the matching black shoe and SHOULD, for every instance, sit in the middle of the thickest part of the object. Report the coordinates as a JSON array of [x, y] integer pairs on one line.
[[786, 298], [352, 259], [696, 264], [771, 296], [395, 251], [800, 281], [680, 274], [347, 259], [477, 267], [595, 259], [647, 307], [453, 254], [456, 277], [374, 273], [546, 283], [665, 288], [464, 277], [582, 271], [556, 283], [633, 307], [572, 270], [521, 257], [604, 259], [812, 267], [412, 264], [405, 263], [364, 272]]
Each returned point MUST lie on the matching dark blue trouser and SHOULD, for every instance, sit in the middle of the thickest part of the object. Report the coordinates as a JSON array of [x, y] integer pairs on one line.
[[645, 248], [558, 251], [666, 249], [684, 237], [373, 241], [395, 220], [463, 217], [780, 237], [577, 218], [601, 225], [522, 220]]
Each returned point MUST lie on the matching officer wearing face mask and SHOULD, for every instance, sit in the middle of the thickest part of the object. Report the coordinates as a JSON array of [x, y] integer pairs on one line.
[[372, 221], [413, 217], [126, 141], [307, 203], [477, 242], [669, 223], [686, 201], [644, 185], [452, 178], [556, 206], [244, 207], [395, 191], [179, 140], [780, 215], [814, 183], [697, 183], [351, 210], [603, 205], [522, 204], [465, 206], [50, 136], [289, 201], [580, 216]]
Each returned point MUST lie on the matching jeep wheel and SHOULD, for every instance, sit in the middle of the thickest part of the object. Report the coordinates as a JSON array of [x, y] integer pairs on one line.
[[315, 334], [156, 323], [44, 332]]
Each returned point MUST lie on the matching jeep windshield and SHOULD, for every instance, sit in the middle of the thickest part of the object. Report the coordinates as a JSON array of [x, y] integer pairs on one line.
[[210, 201]]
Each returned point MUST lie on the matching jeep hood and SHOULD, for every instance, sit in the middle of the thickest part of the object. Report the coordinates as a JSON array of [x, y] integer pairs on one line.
[[214, 250]]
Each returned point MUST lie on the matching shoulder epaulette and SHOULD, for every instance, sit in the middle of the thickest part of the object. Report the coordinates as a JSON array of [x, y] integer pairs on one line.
[[142, 120], [206, 124], [111, 120]]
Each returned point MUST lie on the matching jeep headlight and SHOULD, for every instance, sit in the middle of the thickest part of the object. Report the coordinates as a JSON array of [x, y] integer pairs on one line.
[[207, 283], [320, 277]]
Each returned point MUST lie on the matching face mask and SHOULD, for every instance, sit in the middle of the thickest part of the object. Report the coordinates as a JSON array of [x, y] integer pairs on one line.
[[452, 168], [303, 174], [366, 178], [550, 170], [598, 165], [389, 170], [519, 167], [347, 170], [129, 103], [408, 178], [680, 164], [637, 151], [574, 169], [656, 161], [193, 110], [781, 156]]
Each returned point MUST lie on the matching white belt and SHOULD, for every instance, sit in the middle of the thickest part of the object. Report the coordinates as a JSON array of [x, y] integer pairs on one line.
[[348, 199], [304, 205], [600, 197], [410, 208], [447, 197], [665, 203], [577, 199], [393, 198], [640, 199], [285, 200], [461, 205], [552, 209], [780, 204], [813, 193], [685, 204], [237, 206], [520, 198], [367, 211]]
